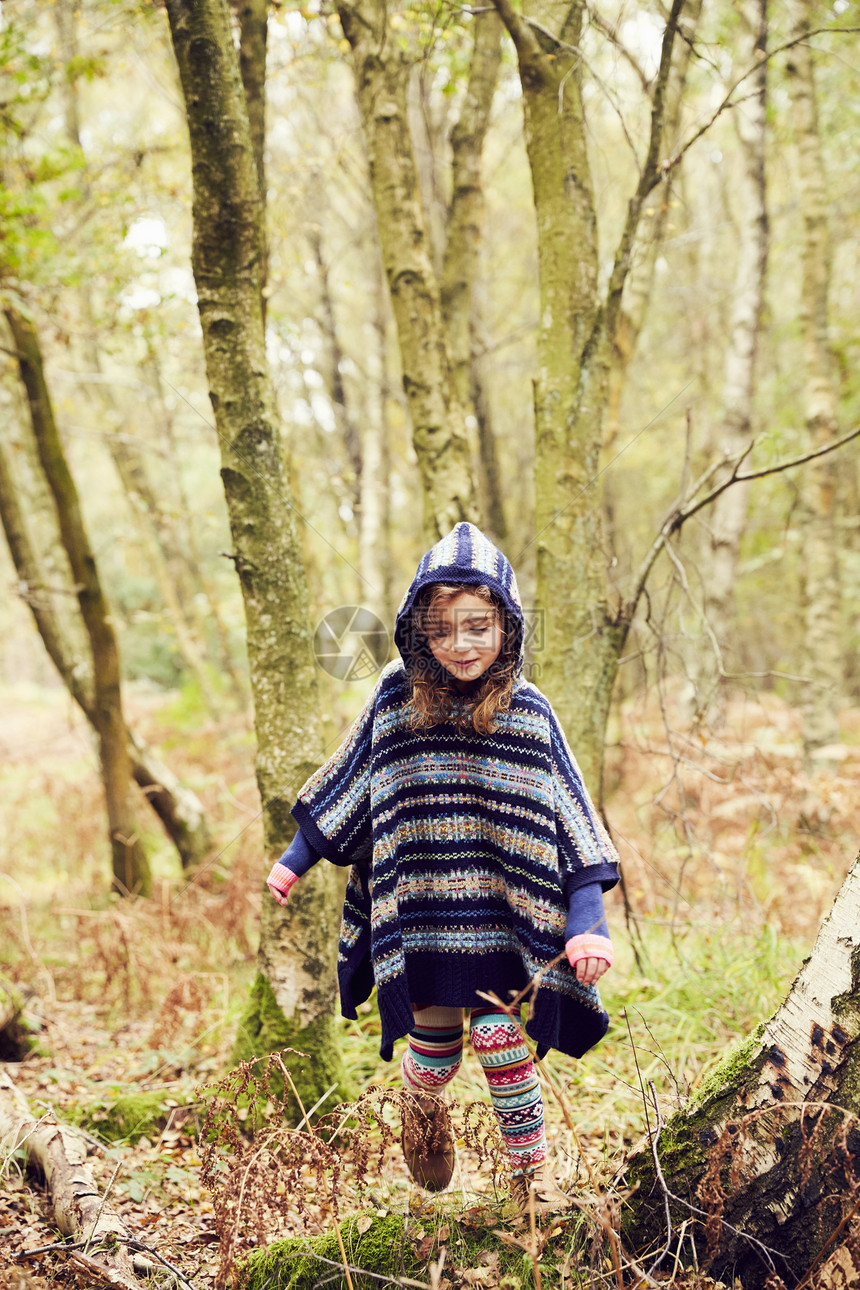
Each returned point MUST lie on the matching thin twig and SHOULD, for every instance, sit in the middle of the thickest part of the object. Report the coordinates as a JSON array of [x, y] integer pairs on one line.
[[676, 157], [658, 1169], [20, 1144], [143, 1248], [680, 513], [23, 1255]]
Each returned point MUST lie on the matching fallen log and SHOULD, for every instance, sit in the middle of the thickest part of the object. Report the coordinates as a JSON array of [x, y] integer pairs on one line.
[[59, 1153], [762, 1168]]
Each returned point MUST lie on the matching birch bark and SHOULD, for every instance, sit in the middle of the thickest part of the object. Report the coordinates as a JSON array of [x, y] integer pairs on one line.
[[820, 537], [757, 1147], [728, 517]]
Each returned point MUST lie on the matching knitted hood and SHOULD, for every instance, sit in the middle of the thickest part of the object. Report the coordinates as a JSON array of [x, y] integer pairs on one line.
[[464, 556]]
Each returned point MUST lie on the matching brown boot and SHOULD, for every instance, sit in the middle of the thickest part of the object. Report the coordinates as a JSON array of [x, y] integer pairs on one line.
[[549, 1199], [427, 1141]]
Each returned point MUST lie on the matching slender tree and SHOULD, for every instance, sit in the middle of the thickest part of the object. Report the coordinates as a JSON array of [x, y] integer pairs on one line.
[[382, 68], [820, 566], [168, 564], [727, 521], [464, 229], [44, 590], [130, 865], [292, 999]]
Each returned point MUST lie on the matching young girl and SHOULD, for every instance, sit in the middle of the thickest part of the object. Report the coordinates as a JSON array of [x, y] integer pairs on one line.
[[477, 858]]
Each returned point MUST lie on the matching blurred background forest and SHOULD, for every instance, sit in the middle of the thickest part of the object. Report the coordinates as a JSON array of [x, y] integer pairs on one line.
[[732, 757]]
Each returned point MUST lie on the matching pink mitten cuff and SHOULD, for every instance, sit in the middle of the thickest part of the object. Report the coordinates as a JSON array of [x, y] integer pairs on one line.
[[281, 878], [588, 946]]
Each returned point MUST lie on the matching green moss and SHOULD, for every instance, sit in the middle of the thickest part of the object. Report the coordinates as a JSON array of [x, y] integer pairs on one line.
[[128, 1119], [386, 1249], [300, 1263], [264, 1029], [738, 1059]]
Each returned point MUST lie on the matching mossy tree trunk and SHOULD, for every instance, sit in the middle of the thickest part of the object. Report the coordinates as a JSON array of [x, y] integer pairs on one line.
[[177, 807], [382, 69], [583, 632], [253, 17], [757, 1147], [130, 865], [820, 565], [293, 999]]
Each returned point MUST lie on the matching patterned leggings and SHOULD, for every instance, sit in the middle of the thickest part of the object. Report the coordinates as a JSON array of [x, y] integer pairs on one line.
[[433, 1058]]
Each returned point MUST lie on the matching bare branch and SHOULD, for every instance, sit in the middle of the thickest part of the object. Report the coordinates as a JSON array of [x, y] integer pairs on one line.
[[648, 178], [673, 161], [683, 511], [610, 31]]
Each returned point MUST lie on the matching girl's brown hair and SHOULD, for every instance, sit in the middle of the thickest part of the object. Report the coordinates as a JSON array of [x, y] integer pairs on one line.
[[434, 699]]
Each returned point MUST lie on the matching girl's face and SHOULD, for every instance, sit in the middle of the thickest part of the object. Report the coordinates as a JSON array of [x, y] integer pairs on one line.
[[465, 636]]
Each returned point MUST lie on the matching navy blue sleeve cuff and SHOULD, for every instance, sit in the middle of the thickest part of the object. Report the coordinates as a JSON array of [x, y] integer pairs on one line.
[[605, 874], [585, 912], [300, 855]]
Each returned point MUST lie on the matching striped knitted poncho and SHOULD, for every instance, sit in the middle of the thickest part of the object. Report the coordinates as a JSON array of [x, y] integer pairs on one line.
[[463, 847]]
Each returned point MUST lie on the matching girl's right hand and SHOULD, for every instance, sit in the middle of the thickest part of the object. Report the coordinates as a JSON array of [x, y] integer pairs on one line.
[[280, 881]]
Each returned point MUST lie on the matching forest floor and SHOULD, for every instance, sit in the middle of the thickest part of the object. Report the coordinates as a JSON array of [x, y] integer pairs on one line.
[[732, 854]]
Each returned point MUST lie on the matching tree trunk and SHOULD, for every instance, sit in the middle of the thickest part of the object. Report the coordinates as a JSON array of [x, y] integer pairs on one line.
[[292, 1001], [60, 1154], [130, 865], [177, 807], [577, 330], [571, 574], [441, 442], [465, 223], [459, 279], [728, 517], [489, 469], [820, 538], [764, 1157], [253, 32]]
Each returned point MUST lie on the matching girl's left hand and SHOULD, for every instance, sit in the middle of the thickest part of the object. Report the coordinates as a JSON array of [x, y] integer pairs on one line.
[[590, 970]]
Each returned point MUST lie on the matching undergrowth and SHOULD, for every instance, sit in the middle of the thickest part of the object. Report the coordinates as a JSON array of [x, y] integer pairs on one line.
[[730, 866]]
